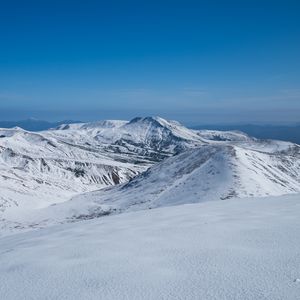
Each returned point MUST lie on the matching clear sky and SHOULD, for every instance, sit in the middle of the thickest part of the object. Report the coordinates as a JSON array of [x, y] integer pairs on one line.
[[194, 61]]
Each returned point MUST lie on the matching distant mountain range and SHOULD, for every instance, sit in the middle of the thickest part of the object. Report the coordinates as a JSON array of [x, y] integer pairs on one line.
[[276, 132], [34, 124]]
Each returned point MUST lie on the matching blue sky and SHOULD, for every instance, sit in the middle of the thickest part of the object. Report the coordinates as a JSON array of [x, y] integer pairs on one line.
[[194, 61]]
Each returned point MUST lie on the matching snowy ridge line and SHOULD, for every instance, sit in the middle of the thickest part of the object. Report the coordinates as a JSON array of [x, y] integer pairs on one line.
[[207, 173]]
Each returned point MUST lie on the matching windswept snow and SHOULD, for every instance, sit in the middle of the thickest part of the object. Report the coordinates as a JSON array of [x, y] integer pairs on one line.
[[236, 249]]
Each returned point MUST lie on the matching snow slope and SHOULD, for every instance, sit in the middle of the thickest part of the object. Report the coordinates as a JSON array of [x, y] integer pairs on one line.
[[236, 249], [37, 169], [211, 172]]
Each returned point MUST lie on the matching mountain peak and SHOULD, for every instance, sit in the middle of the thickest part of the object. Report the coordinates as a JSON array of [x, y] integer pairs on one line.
[[156, 121], [148, 119]]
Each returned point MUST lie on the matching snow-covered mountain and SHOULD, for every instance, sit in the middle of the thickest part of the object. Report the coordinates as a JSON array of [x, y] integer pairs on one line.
[[152, 138], [39, 169], [207, 173], [41, 172], [92, 155]]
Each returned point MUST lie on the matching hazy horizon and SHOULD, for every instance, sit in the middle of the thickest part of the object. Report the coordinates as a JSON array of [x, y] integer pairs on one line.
[[192, 61], [189, 124]]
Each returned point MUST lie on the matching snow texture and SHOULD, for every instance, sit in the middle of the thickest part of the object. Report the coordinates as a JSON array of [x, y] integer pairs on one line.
[[235, 249]]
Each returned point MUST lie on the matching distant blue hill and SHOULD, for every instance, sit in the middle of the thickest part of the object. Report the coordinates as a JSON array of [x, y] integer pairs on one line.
[[34, 125], [277, 132]]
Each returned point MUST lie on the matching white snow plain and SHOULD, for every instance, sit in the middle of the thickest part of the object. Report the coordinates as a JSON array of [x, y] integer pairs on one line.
[[235, 249]]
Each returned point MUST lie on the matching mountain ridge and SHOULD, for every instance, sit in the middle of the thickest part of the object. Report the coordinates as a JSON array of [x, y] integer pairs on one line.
[[78, 171]]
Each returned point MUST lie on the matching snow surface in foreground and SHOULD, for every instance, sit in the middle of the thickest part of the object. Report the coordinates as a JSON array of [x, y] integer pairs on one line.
[[233, 249]]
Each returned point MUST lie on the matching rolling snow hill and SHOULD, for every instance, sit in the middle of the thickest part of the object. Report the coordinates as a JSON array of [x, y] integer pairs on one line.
[[230, 249]]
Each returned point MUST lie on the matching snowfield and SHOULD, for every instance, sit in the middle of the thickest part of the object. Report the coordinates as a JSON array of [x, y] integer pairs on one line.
[[234, 249]]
